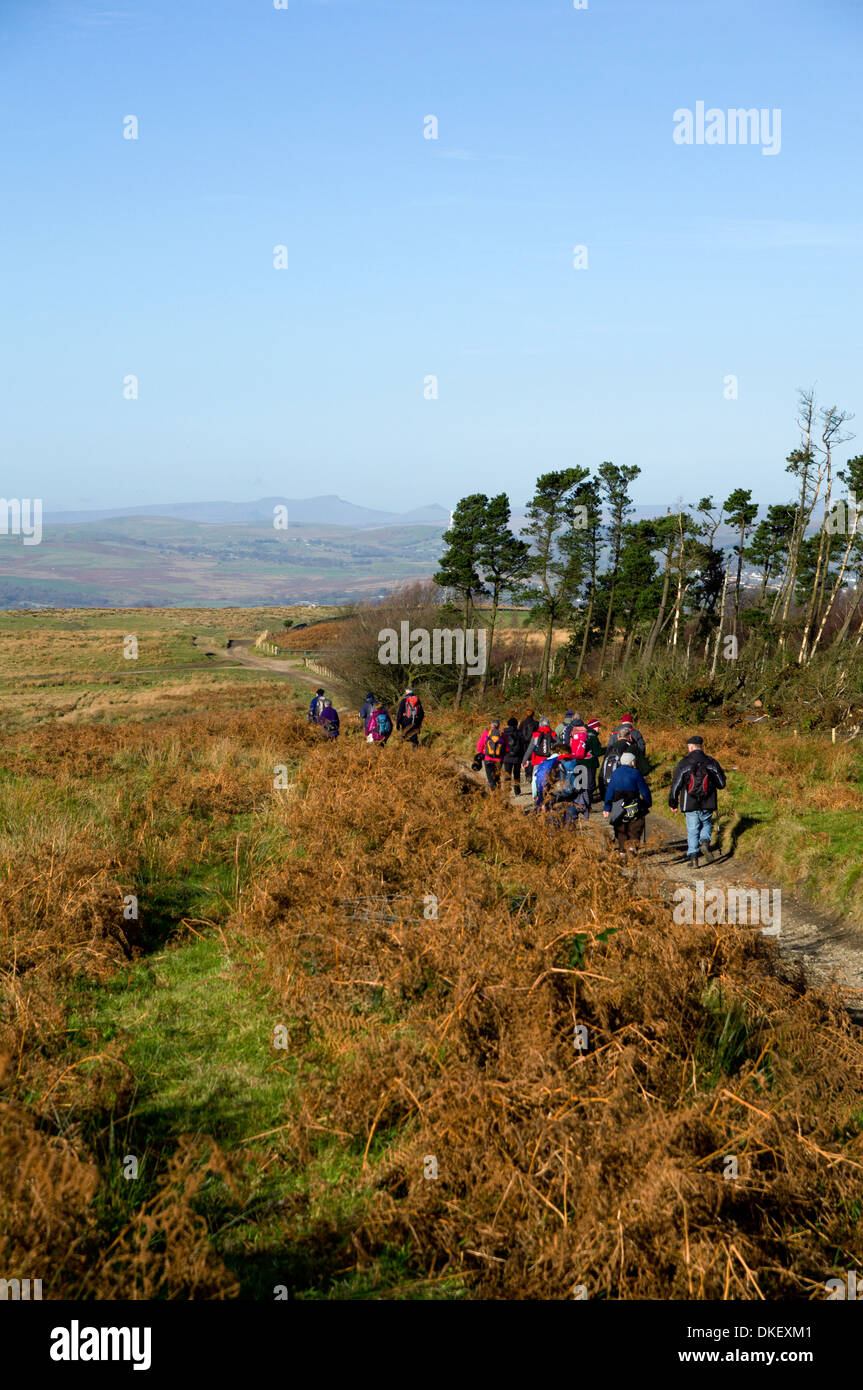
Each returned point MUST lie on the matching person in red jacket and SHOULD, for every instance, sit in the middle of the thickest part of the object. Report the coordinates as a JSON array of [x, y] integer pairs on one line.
[[491, 749], [540, 745]]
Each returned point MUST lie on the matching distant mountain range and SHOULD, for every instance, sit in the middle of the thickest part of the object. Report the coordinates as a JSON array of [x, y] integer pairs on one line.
[[228, 554], [308, 511]]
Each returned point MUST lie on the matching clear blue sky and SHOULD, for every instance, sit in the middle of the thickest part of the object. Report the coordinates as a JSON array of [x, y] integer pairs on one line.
[[410, 257]]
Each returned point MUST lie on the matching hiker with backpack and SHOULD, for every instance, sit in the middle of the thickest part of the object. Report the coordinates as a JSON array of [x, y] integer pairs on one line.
[[513, 752], [627, 802], [626, 731], [527, 727], [623, 740], [694, 785], [490, 748], [379, 726], [581, 757], [593, 754], [563, 732], [316, 705], [329, 720], [538, 749], [368, 706], [409, 717], [571, 789], [545, 776]]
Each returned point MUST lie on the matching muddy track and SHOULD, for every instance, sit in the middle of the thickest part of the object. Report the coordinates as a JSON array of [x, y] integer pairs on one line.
[[829, 950]]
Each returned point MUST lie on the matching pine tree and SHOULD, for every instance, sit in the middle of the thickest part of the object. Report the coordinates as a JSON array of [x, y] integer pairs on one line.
[[504, 561], [551, 514], [615, 482], [460, 563]]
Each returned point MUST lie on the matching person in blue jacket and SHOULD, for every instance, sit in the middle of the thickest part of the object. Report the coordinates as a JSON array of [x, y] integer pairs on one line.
[[368, 708], [316, 705], [627, 802]]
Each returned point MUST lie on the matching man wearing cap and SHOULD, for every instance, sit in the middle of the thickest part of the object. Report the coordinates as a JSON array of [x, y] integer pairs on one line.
[[626, 731], [694, 785], [627, 802]]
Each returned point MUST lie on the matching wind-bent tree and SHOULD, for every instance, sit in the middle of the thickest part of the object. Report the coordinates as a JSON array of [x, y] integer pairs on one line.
[[666, 535], [551, 513], [832, 423], [803, 465], [586, 541], [460, 564], [768, 548], [847, 519], [504, 561], [741, 512], [614, 481]]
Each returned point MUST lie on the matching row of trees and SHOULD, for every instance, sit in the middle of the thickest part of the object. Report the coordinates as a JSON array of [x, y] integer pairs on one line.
[[624, 588]]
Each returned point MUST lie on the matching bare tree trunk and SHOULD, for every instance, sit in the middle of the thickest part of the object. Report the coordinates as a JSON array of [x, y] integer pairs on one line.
[[812, 606], [721, 620], [494, 608], [583, 653], [546, 655], [849, 616], [678, 603], [463, 669], [607, 628], [521, 657], [852, 531], [647, 654]]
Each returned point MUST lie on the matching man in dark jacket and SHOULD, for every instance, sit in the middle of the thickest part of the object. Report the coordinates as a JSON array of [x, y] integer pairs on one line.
[[513, 752], [316, 705], [594, 754], [694, 785], [527, 727], [366, 711], [627, 801], [409, 717]]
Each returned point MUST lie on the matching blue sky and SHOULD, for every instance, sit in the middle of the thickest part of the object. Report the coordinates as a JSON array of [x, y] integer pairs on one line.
[[410, 257]]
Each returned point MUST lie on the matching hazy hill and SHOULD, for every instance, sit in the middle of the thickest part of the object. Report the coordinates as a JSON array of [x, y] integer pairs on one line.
[[316, 511]]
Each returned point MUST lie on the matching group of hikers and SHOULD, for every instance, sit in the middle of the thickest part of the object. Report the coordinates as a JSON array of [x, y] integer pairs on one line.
[[569, 768], [374, 716]]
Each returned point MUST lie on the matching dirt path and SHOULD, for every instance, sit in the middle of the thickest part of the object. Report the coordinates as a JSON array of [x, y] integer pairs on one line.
[[829, 950], [242, 656]]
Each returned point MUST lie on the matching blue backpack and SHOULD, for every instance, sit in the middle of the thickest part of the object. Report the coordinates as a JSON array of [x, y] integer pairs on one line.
[[384, 723]]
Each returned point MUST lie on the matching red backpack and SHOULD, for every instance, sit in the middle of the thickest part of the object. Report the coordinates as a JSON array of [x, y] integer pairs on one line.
[[578, 742], [411, 703]]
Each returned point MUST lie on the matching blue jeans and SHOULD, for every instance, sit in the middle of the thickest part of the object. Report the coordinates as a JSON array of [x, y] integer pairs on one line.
[[699, 826]]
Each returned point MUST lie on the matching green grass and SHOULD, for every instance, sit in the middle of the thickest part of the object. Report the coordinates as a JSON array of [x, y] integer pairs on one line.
[[197, 1028]]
